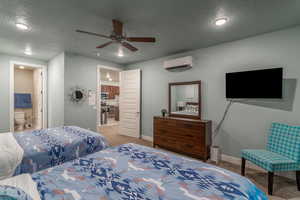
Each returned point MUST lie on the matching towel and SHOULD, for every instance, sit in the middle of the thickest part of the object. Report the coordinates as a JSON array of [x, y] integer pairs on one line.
[[23, 100]]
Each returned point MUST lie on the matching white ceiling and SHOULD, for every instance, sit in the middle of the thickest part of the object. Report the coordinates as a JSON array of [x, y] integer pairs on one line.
[[178, 25]]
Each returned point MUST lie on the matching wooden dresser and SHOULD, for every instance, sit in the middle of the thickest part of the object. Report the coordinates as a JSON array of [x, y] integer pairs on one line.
[[187, 136]]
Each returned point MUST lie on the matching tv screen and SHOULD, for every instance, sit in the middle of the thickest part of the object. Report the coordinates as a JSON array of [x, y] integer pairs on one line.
[[266, 83]]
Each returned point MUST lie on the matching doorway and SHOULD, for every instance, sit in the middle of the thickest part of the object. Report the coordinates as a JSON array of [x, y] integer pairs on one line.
[[27, 102], [109, 93], [118, 102]]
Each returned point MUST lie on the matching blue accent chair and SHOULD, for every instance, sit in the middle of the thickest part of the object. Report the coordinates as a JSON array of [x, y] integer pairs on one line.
[[282, 153]]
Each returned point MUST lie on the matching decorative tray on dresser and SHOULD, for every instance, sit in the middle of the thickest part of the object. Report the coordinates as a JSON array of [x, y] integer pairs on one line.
[[182, 135]]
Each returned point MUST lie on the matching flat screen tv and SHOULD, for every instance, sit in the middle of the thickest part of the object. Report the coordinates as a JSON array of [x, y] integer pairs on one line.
[[266, 84]]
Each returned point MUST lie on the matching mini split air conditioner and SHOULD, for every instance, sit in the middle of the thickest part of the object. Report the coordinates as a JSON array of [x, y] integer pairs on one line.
[[179, 64]]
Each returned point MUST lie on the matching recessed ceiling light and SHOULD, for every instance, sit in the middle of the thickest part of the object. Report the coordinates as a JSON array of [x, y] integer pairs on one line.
[[21, 67], [221, 21], [21, 26], [28, 52], [120, 53]]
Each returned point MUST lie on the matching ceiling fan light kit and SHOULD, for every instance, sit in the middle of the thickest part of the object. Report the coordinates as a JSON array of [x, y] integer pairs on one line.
[[118, 36]]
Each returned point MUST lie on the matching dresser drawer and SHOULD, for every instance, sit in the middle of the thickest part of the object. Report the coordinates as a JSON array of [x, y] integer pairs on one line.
[[167, 142], [190, 132], [193, 147], [177, 129], [190, 125], [178, 124], [164, 122]]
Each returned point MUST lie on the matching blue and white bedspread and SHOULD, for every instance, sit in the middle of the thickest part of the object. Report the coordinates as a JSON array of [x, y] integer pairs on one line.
[[133, 172], [50, 147], [13, 193]]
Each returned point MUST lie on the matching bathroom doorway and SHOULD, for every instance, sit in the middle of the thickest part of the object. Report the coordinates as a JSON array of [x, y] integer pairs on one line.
[[27, 97]]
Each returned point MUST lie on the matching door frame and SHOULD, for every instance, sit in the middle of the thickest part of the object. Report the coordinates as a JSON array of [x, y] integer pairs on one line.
[[11, 91], [98, 91]]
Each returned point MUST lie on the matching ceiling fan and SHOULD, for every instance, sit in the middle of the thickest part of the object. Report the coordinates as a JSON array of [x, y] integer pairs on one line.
[[117, 36]]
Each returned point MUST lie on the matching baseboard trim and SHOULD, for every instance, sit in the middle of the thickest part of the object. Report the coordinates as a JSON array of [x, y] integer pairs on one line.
[[148, 138], [237, 161]]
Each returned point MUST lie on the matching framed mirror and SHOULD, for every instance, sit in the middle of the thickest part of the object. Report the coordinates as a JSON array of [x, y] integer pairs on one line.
[[185, 99]]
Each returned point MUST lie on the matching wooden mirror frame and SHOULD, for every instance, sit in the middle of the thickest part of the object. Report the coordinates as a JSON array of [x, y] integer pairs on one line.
[[199, 99]]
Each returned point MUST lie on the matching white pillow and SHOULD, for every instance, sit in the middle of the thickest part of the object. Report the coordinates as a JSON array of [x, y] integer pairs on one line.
[[11, 155]]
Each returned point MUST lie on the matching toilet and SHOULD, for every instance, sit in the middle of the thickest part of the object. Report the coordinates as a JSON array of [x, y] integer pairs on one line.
[[20, 121]]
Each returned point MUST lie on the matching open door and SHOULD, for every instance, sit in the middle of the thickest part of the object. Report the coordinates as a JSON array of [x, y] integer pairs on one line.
[[38, 98], [130, 86]]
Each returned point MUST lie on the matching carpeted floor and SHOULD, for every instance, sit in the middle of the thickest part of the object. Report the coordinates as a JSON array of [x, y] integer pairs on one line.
[[284, 188]]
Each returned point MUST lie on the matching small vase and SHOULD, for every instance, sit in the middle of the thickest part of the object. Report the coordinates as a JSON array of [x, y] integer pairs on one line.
[[164, 112]]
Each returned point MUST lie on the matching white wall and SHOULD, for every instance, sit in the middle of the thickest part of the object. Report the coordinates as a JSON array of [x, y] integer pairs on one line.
[[56, 81], [23, 81], [246, 125], [81, 71], [5, 87]]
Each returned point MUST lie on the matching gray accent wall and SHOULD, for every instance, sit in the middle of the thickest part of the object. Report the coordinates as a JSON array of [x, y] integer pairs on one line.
[[81, 71], [5, 89], [56, 70], [246, 125]]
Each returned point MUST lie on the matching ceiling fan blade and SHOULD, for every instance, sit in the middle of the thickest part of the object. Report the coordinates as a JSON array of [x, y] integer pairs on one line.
[[129, 46], [118, 27], [104, 45], [90, 33], [141, 39]]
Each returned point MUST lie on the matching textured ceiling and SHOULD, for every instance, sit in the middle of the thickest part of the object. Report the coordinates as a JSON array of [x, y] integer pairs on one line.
[[178, 25]]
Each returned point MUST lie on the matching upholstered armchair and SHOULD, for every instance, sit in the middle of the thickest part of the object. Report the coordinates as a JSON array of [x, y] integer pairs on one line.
[[282, 153]]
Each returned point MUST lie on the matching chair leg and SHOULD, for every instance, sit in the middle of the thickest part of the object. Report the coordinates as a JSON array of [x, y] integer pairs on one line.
[[270, 182], [298, 179], [243, 166]]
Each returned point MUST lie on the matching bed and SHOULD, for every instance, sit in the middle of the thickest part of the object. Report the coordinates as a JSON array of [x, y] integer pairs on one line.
[[134, 172], [32, 151]]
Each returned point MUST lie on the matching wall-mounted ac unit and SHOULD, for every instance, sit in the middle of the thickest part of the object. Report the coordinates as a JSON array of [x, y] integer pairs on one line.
[[179, 64]]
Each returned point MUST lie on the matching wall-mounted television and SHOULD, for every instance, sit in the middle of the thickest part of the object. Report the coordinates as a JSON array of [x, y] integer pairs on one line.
[[266, 83]]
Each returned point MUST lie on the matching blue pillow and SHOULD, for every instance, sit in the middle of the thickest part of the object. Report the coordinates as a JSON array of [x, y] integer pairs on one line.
[[12, 193]]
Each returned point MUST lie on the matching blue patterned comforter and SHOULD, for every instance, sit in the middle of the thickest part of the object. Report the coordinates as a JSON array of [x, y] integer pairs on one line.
[[133, 172], [50, 147], [12, 193]]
